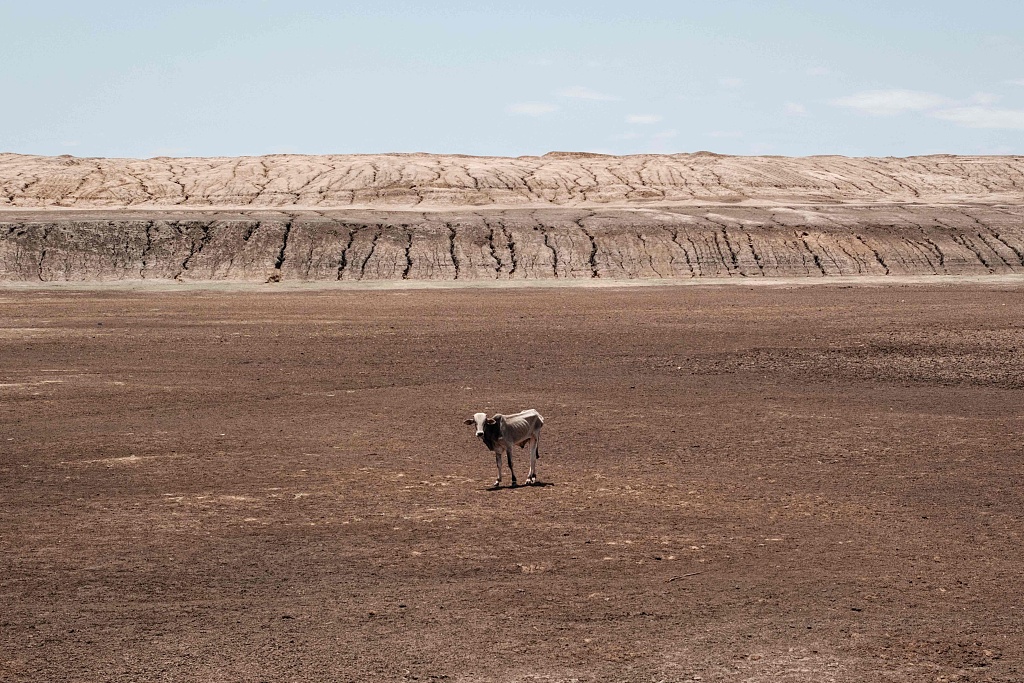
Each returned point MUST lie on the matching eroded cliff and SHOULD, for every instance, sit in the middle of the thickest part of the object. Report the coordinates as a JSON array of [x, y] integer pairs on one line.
[[425, 217], [679, 242]]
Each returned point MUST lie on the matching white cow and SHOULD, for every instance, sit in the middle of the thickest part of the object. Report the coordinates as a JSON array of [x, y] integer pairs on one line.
[[502, 432]]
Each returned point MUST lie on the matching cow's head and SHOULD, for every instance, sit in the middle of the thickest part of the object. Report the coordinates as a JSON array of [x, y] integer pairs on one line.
[[487, 429], [479, 419]]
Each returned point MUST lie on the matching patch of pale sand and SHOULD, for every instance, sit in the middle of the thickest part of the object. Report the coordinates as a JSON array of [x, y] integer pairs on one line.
[[793, 665], [48, 332], [18, 332], [123, 460], [15, 385]]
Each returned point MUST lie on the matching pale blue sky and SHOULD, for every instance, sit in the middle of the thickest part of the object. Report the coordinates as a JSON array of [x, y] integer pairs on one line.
[[795, 77]]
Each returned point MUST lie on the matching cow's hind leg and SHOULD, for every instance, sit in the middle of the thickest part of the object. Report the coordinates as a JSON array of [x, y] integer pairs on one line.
[[497, 460], [508, 454], [531, 478]]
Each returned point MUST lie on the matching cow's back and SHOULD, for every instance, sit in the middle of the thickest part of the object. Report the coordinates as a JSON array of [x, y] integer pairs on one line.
[[522, 425]]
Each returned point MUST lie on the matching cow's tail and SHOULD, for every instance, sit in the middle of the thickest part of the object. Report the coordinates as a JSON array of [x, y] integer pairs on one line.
[[541, 419]]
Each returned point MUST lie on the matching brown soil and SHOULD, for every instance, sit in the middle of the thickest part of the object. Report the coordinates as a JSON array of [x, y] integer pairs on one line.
[[771, 484]]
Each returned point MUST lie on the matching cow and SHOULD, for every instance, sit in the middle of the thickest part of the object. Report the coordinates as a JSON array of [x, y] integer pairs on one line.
[[502, 432]]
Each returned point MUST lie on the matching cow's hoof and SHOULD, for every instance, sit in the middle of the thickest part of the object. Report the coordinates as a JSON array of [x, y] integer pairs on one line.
[[496, 485], [514, 483]]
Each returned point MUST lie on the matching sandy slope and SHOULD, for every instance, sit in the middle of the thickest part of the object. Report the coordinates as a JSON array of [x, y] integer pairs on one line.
[[446, 181]]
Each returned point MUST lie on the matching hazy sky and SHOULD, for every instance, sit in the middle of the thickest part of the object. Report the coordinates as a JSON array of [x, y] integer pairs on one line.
[[796, 77]]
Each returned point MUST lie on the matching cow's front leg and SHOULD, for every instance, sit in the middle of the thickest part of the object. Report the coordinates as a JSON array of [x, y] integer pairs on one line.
[[497, 460], [508, 454]]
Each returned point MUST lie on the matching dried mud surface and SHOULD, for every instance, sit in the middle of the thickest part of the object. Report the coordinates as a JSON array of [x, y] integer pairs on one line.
[[809, 484], [682, 242]]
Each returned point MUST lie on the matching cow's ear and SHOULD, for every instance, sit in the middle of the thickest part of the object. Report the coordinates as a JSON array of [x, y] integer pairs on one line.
[[469, 421], [490, 420]]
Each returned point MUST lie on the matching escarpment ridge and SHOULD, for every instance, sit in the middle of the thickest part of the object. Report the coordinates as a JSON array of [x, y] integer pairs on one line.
[[426, 181], [560, 216]]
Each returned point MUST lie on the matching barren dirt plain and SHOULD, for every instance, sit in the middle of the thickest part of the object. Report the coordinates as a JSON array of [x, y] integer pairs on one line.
[[812, 484], [232, 394]]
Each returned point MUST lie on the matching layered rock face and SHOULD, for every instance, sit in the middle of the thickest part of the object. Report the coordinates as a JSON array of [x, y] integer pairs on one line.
[[683, 242], [420, 217]]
